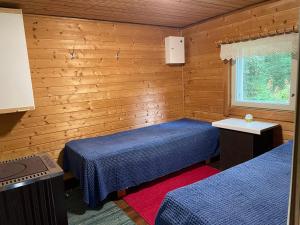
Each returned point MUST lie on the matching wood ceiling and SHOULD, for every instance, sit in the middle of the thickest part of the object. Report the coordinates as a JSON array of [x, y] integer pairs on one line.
[[173, 13]]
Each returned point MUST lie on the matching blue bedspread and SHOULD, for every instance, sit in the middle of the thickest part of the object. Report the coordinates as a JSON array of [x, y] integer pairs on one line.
[[253, 193], [126, 159]]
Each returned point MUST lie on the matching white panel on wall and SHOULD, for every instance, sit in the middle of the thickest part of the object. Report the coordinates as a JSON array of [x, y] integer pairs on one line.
[[15, 79], [174, 47]]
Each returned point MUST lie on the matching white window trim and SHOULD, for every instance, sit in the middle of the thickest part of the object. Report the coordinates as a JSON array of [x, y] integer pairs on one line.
[[290, 107]]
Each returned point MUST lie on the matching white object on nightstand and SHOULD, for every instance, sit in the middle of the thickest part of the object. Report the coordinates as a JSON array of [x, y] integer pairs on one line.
[[249, 118], [254, 127]]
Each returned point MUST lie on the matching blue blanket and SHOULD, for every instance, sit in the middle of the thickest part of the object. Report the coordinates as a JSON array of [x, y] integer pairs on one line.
[[253, 193], [126, 159]]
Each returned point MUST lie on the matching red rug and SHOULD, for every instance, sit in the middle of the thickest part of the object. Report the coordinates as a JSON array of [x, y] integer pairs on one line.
[[146, 199]]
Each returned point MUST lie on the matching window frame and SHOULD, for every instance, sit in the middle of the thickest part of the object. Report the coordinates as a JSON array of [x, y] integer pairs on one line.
[[290, 107]]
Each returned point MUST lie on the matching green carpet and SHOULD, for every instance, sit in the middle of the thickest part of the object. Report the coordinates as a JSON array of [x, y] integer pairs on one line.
[[80, 214]]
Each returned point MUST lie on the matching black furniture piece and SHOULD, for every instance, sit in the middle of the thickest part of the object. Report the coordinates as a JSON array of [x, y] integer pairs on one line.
[[241, 141], [32, 192]]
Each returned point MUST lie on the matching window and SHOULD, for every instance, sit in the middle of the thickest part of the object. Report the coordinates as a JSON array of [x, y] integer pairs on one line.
[[264, 81], [264, 71]]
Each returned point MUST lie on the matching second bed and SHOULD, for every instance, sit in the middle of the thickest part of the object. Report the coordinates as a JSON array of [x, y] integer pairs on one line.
[[115, 162], [253, 193]]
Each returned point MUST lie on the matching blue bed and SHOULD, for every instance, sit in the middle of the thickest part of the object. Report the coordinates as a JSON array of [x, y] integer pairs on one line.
[[126, 159], [252, 193]]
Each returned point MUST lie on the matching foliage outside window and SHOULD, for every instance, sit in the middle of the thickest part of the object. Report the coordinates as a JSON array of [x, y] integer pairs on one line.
[[264, 81]]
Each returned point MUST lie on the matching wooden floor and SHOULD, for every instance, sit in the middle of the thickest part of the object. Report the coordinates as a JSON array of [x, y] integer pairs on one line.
[[135, 216], [131, 212]]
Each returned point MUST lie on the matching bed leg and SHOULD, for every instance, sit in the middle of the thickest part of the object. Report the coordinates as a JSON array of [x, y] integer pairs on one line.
[[208, 161], [121, 194]]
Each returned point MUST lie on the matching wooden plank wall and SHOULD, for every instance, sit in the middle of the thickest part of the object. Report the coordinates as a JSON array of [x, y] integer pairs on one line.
[[206, 76], [91, 78]]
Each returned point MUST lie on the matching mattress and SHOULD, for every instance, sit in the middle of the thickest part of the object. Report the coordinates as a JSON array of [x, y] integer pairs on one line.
[[253, 193], [114, 162]]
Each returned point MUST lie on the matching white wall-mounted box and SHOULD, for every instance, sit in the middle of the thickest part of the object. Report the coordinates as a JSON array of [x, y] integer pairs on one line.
[[16, 92], [174, 47]]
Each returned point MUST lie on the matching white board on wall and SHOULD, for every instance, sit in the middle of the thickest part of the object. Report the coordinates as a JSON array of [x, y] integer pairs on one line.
[[174, 50], [15, 79]]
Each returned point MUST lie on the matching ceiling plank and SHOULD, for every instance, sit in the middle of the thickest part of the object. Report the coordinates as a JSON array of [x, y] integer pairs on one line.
[[172, 13]]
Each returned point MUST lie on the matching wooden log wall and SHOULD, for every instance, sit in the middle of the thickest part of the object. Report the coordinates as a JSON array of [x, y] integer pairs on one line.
[[206, 86], [94, 78], [91, 78]]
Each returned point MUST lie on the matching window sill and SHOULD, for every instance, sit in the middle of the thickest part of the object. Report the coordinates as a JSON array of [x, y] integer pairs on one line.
[[260, 113]]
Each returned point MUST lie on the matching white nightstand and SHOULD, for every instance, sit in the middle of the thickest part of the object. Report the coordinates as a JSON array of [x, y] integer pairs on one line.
[[241, 141]]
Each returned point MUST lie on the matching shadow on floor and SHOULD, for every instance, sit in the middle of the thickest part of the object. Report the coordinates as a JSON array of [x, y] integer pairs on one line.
[[80, 214], [75, 203]]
